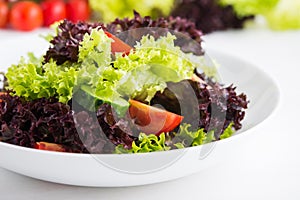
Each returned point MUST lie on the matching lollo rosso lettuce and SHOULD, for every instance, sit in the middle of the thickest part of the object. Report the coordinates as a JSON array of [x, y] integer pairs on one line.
[[209, 15]]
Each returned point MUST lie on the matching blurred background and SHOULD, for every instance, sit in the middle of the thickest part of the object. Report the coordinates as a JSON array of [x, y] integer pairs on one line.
[[208, 15]]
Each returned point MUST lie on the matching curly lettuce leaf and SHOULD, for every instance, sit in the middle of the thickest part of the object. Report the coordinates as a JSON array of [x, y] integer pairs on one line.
[[143, 72], [188, 137], [96, 45], [141, 82], [97, 76], [227, 132], [33, 80], [151, 65], [145, 143], [182, 139]]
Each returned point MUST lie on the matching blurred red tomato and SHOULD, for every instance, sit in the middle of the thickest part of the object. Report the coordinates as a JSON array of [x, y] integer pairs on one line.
[[3, 14], [78, 10], [53, 11], [26, 16]]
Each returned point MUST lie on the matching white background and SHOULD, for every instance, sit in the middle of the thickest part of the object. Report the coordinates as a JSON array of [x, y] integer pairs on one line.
[[267, 167]]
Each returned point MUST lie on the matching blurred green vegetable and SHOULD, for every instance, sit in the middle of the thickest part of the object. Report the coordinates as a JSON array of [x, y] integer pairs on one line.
[[279, 14], [286, 15], [109, 10], [250, 7]]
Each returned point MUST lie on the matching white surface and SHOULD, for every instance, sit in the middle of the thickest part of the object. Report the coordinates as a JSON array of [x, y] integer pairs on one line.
[[116, 170], [265, 167]]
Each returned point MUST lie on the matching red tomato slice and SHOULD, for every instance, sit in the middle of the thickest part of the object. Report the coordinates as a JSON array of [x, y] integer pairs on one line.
[[118, 45], [152, 120], [49, 146]]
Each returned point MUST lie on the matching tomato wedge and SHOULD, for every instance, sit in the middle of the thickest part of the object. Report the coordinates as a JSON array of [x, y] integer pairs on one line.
[[152, 120], [118, 45], [49, 146]]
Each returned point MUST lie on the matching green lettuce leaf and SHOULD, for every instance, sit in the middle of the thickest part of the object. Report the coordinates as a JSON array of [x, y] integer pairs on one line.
[[143, 72], [188, 137], [185, 138], [153, 63], [227, 132], [146, 143], [33, 80], [97, 76]]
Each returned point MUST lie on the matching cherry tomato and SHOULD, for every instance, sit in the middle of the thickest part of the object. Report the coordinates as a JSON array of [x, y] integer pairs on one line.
[[53, 10], [118, 45], [49, 146], [3, 14], [26, 16], [78, 10], [153, 120]]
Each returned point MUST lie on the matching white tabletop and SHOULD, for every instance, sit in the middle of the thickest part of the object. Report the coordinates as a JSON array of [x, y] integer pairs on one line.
[[267, 167]]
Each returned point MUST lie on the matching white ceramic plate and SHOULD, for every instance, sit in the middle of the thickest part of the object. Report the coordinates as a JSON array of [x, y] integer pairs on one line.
[[139, 169]]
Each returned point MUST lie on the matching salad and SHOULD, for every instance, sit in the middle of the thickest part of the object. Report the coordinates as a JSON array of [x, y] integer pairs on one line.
[[91, 92]]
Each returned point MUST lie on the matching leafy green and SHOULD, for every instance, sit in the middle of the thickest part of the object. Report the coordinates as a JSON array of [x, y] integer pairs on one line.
[[146, 143], [97, 76], [97, 46], [187, 138], [33, 80], [153, 63], [210, 137], [143, 72], [141, 81], [192, 138], [227, 132]]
